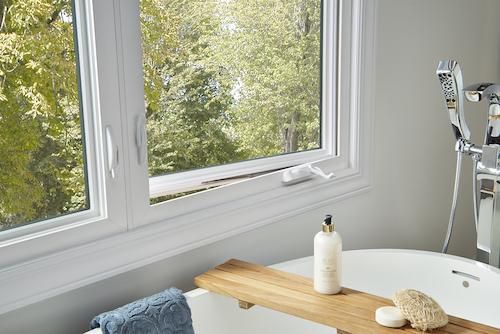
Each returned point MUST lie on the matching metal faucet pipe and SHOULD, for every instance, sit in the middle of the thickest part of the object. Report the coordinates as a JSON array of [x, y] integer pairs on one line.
[[486, 159]]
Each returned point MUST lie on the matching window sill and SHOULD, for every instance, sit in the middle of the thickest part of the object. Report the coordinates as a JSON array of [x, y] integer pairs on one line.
[[52, 275]]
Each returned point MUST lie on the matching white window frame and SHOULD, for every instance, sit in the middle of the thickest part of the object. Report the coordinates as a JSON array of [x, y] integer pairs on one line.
[[62, 254]]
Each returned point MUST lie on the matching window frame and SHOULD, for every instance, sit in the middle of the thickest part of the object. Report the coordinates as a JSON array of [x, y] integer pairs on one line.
[[60, 257], [54, 234]]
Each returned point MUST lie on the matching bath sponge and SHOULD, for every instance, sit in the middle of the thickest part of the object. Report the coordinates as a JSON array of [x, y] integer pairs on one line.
[[422, 311]]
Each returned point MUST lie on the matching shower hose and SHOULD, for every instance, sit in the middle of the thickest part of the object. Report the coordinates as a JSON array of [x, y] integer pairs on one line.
[[475, 159]]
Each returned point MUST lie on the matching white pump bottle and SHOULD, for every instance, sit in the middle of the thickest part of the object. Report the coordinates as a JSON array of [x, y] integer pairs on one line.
[[327, 259]]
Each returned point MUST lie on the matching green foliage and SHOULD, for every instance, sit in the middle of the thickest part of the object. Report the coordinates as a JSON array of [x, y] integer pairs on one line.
[[273, 53], [239, 81], [40, 137], [224, 81], [187, 102]]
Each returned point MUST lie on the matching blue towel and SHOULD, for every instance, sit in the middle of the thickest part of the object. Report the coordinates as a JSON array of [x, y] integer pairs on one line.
[[165, 312]]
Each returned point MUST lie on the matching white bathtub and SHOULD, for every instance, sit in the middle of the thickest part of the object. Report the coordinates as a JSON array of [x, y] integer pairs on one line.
[[464, 288]]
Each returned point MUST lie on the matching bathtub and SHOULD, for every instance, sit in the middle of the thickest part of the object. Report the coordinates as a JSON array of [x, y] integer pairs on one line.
[[463, 287]]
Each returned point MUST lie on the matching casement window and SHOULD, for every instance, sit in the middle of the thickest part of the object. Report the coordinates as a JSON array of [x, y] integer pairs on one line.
[[195, 114]]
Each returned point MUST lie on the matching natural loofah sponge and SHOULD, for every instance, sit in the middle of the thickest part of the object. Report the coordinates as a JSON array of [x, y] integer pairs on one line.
[[422, 311]]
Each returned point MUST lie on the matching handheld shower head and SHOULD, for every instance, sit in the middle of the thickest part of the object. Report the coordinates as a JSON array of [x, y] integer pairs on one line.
[[450, 78]]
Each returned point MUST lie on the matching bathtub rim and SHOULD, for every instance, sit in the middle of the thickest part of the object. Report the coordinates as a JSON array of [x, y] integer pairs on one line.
[[285, 264], [394, 250]]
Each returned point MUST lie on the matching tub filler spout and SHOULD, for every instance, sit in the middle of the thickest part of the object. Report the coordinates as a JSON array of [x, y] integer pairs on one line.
[[486, 158], [488, 175]]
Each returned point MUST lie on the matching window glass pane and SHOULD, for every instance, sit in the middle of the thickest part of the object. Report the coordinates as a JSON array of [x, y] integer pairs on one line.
[[41, 155], [230, 80]]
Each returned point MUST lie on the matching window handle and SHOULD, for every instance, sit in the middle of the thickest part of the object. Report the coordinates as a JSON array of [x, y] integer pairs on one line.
[[303, 172], [112, 151], [141, 139], [316, 170]]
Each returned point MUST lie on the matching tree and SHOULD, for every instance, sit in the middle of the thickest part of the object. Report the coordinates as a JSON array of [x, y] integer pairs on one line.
[[186, 102], [40, 139], [244, 83], [224, 81], [272, 49]]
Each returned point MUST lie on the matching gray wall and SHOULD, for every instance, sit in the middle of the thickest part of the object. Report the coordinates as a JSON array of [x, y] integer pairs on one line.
[[413, 168]]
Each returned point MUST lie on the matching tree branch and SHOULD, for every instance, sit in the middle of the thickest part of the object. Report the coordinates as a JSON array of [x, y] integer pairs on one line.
[[2, 24]]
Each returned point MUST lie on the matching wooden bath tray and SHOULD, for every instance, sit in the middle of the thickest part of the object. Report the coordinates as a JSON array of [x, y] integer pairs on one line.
[[350, 311]]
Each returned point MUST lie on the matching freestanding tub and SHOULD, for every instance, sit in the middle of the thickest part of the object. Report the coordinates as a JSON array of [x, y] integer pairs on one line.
[[464, 288]]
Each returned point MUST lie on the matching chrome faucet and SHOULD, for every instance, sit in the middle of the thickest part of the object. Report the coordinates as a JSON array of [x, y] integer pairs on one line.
[[486, 158], [488, 173]]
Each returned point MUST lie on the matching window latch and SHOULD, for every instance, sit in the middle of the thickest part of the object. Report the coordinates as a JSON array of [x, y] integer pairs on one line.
[[303, 172], [112, 151]]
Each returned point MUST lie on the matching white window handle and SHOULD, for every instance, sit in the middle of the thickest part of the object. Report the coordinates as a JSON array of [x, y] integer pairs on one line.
[[141, 139], [316, 170], [303, 172], [112, 151]]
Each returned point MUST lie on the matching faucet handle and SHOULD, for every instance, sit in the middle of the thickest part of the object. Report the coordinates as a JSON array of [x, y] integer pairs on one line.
[[490, 92], [450, 78], [476, 92]]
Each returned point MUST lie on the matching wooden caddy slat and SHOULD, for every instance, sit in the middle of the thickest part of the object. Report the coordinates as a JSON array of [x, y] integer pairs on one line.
[[350, 311]]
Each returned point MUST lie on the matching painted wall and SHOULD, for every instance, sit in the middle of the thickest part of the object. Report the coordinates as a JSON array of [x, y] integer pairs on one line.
[[413, 168]]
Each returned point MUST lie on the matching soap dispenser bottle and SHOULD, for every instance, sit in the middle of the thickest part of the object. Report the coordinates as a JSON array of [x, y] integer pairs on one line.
[[327, 259]]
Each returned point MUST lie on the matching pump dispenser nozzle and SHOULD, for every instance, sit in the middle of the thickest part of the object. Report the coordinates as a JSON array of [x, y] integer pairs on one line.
[[327, 224]]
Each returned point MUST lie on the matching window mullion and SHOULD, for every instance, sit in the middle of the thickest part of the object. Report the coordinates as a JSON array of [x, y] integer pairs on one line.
[[132, 108]]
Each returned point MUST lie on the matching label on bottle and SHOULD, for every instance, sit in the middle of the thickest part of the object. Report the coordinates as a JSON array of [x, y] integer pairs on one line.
[[328, 267]]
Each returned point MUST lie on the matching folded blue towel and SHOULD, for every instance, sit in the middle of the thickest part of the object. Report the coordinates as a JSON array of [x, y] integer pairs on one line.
[[165, 312]]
